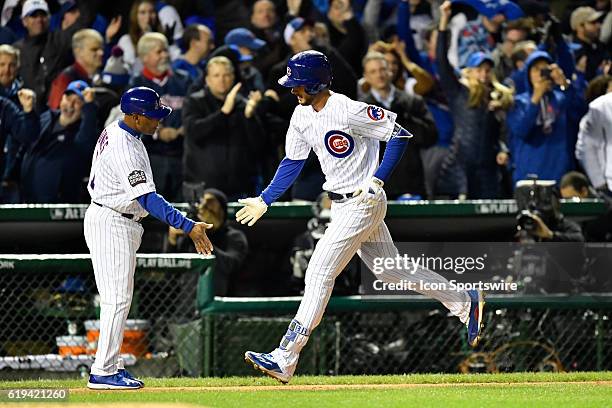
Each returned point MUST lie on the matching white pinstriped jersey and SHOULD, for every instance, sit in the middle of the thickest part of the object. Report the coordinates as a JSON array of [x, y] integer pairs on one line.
[[120, 171], [345, 135]]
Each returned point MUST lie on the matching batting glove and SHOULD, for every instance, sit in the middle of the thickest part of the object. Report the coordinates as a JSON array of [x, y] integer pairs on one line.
[[371, 192], [254, 208]]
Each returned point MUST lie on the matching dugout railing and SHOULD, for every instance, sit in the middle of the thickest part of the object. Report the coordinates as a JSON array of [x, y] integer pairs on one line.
[[48, 313], [469, 220]]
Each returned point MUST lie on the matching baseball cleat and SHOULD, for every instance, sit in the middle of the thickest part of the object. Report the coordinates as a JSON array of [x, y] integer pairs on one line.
[[474, 324], [112, 382], [266, 364], [127, 374]]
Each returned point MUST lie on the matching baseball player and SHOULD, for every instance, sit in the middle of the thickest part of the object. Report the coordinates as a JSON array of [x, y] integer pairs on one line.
[[345, 135], [122, 194]]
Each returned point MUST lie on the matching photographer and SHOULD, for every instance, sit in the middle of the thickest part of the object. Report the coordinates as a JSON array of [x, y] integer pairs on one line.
[[575, 185], [538, 122], [230, 244], [540, 218]]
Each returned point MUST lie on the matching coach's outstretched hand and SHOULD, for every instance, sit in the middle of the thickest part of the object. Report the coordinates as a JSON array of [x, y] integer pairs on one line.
[[254, 208], [199, 238]]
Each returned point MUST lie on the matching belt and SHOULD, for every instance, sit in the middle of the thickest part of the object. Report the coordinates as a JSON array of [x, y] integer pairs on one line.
[[338, 197], [128, 216]]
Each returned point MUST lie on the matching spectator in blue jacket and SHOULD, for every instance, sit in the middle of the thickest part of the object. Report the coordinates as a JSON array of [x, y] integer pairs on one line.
[[537, 123], [16, 129], [13, 148], [57, 162], [165, 147]]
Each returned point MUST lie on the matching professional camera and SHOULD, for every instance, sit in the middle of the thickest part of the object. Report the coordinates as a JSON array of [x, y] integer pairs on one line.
[[535, 198], [192, 193]]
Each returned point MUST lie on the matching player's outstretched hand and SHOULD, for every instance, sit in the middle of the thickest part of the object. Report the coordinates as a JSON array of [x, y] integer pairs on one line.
[[199, 238], [254, 208], [371, 192]]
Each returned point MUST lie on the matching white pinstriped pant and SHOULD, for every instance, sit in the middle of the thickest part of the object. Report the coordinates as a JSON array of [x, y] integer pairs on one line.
[[112, 241], [351, 226]]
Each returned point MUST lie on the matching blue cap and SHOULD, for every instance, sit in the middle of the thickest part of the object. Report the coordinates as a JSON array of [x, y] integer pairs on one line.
[[490, 8], [477, 58], [77, 87], [241, 57], [243, 37], [292, 26]]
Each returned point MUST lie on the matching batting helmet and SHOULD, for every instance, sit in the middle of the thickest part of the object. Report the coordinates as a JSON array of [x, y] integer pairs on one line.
[[309, 69], [144, 101]]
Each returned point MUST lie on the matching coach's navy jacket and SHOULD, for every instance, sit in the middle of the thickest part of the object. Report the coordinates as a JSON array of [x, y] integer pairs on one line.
[[172, 90], [55, 164]]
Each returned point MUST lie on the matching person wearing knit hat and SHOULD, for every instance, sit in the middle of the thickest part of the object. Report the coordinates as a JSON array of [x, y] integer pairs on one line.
[[116, 74], [230, 244]]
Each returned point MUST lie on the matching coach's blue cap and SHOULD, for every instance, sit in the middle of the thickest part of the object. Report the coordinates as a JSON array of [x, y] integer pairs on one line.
[[477, 58], [77, 87], [243, 37]]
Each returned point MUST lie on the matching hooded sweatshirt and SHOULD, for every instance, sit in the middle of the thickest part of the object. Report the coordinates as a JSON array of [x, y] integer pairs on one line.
[[539, 143]]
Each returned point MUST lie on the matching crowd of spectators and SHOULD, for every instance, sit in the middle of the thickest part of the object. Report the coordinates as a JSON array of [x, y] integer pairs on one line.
[[493, 91]]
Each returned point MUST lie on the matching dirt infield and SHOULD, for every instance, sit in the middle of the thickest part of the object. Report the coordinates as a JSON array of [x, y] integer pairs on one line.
[[333, 387]]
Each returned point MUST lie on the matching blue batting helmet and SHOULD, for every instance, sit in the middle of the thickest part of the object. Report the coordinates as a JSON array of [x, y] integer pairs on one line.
[[144, 101], [310, 69]]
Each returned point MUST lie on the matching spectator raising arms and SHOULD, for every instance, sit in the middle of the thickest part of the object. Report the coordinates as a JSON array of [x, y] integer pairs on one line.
[[477, 103], [17, 128], [56, 163]]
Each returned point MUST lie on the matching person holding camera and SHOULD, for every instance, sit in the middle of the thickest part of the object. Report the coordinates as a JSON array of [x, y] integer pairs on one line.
[[540, 218], [539, 140], [576, 186]]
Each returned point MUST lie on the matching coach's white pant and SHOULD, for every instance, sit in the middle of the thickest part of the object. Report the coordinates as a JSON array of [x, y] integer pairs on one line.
[[112, 241], [357, 228]]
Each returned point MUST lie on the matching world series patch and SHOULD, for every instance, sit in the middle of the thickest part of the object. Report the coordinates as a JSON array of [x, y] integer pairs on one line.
[[137, 177]]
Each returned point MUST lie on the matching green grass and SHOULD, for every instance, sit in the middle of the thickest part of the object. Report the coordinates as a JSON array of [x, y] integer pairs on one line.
[[316, 380], [494, 396], [542, 390]]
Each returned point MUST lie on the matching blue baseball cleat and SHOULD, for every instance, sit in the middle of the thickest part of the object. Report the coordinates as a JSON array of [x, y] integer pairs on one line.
[[127, 374], [267, 365], [112, 382], [474, 323]]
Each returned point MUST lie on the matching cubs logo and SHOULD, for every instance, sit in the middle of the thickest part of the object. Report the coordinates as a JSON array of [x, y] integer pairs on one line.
[[375, 113], [339, 144], [288, 71]]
